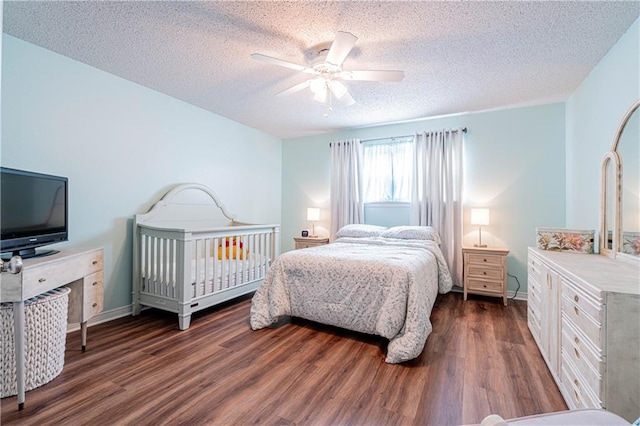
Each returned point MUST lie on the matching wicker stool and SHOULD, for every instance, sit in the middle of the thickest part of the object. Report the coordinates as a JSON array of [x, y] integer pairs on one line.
[[45, 334]]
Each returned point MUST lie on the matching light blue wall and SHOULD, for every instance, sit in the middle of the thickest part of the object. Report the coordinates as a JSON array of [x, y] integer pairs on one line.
[[514, 165], [122, 146], [594, 112]]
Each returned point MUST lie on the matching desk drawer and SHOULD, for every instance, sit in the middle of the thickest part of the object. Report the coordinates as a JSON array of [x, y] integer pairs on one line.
[[87, 298], [64, 270], [94, 294]]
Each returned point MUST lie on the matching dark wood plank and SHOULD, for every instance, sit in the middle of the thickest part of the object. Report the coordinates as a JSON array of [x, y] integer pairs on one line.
[[480, 359]]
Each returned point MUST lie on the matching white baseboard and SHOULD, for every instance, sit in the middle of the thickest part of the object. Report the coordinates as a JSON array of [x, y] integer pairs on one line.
[[127, 310], [510, 293], [104, 317]]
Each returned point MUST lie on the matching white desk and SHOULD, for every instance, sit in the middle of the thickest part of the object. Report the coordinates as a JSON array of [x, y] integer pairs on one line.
[[79, 269]]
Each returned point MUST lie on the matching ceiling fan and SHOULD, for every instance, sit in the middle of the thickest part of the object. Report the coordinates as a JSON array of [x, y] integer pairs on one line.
[[326, 73]]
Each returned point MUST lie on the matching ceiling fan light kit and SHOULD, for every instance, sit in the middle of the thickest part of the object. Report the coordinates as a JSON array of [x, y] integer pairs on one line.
[[326, 72]]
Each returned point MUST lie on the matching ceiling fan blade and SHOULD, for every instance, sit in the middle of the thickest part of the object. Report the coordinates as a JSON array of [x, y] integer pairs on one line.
[[340, 48], [280, 62], [294, 89], [373, 75]]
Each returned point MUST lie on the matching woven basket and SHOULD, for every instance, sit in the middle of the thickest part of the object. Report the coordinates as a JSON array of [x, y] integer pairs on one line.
[[45, 334]]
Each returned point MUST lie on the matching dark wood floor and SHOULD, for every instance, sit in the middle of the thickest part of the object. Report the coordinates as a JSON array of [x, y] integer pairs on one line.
[[480, 359]]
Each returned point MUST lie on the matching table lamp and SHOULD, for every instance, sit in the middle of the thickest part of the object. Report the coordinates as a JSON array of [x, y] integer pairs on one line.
[[313, 215], [480, 217]]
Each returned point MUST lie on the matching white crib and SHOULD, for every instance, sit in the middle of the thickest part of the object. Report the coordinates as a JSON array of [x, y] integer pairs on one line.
[[189, 253]]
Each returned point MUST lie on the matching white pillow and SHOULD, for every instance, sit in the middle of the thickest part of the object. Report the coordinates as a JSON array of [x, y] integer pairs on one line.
[[360, 231], [412, 233]]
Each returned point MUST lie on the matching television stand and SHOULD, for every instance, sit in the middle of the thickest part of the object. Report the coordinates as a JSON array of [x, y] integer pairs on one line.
[[76, 268]]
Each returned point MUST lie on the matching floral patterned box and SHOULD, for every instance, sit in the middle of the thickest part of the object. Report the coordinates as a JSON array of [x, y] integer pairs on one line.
[[569, 240]]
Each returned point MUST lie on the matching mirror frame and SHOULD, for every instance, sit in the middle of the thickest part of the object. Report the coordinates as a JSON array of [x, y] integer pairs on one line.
[[614, 157], [611, 158]]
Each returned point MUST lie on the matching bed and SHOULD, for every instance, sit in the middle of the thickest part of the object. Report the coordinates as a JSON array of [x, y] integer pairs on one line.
[[189, 253], [370, 279]]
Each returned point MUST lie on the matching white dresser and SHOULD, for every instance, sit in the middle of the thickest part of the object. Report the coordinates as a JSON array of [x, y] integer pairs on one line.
[[584, 313]]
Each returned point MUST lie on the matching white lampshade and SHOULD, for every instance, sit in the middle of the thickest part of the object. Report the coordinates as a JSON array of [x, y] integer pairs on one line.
[[313, 214], [480, 217]]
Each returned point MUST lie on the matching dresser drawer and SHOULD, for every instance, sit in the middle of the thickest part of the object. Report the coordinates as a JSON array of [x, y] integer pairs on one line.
[[533, 320], [582, 343], [588, 303], [486, 260], [582, 360], [485, 286], [533, 296], [580, 320], [534, 268], [577, 394]]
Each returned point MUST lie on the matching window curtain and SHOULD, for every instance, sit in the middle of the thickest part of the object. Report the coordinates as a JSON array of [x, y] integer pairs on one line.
[[346, 184], [436, 193]]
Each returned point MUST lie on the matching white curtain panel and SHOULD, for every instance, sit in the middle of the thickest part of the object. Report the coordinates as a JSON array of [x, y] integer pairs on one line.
[[436, 192], [346, 184]]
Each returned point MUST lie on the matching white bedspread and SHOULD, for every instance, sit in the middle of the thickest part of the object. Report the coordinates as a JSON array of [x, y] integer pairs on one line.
[[375, 285]]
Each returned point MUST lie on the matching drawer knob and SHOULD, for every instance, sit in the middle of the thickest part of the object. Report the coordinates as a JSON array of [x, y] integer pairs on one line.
[[94, 305], [576, 310], [577, 396], [484, 260], [576, 298], [95, 283], [576, 382], [576, 340], [95, 262], [484, 273], [577, 353], [41, 280]]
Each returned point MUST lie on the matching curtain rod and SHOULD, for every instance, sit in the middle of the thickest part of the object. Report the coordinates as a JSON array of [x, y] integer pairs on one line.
[[464, 130]]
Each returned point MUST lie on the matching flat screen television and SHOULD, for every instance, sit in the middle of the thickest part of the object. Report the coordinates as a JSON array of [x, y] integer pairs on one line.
[[33, 212]]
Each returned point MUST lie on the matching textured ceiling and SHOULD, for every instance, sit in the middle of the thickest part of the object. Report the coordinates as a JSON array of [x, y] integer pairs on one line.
[[457, 56]]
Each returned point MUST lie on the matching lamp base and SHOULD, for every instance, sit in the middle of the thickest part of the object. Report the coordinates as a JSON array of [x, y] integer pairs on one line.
[[480, 245]]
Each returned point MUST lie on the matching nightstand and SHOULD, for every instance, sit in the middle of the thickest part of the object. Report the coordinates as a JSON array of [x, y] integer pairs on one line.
[[305, 242], [485, 271]]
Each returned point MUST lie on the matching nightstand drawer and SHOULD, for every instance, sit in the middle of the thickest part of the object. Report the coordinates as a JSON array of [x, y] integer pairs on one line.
[[487, 260], [308, 242], [485, 285], [305, 245], [485, 273]]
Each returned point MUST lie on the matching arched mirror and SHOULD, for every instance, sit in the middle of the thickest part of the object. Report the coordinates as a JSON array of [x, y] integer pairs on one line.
[[620, 210]]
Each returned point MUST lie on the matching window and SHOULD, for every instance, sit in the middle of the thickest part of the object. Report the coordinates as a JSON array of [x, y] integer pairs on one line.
[[387, 168]]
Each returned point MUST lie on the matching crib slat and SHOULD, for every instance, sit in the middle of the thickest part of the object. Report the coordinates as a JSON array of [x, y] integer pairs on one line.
[[172, 269]]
